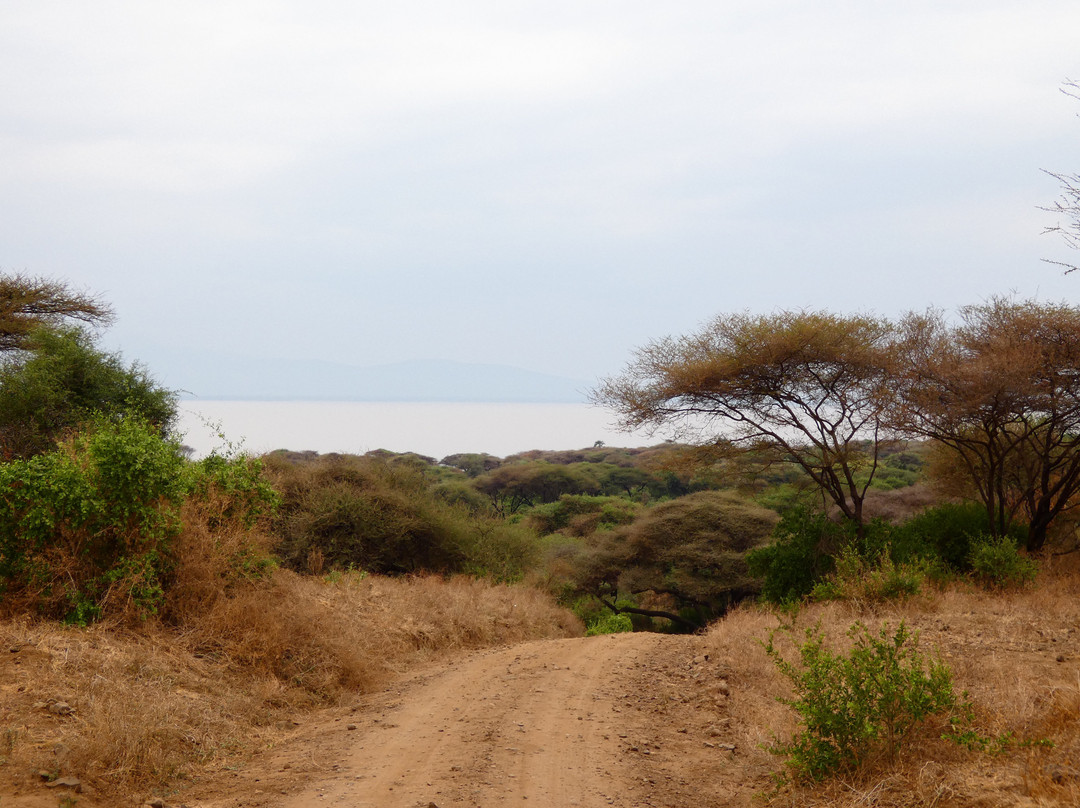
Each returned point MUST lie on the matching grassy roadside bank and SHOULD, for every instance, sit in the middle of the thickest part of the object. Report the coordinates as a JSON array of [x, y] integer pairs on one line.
[[130, 710], [1015, 655]]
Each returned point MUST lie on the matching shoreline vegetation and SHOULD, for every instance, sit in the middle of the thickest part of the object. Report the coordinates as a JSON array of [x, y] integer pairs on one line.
[[430, 429]]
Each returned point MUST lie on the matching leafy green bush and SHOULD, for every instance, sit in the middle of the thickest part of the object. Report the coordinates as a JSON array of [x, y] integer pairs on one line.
[[90, 528], [854, 706], [62, 382], [889, 478], [600, 619], [944, 532], [610, 623], [997, 563], [242, 492], [800, 555], [90, 523], [870, 581], [890, 560]]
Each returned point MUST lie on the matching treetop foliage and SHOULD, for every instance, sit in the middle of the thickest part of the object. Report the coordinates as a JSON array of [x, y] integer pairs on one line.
[[1000, 390], [763, 373], [812, 385], [62, 380], [27, 303], [691, 549]]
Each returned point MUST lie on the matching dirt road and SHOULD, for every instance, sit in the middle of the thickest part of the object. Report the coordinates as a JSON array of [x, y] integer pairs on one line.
[[624, 720]]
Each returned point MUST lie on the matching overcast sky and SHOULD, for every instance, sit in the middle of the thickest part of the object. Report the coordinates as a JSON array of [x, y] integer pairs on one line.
[[540, 184]]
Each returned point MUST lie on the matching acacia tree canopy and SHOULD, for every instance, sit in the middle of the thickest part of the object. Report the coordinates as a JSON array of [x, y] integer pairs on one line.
[[691, 550], [1001, 391], [27, 303], [811, 386], [513, 486]]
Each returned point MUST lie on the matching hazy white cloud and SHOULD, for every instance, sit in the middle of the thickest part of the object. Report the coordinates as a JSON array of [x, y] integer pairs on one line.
[[543, 184], [178, 166]]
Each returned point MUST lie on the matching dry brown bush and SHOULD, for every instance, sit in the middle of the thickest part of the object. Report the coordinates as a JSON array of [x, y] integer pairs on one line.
[[330, 636], [900, 504], [212, 558]]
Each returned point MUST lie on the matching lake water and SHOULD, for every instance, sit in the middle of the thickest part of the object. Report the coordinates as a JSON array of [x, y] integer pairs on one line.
[[428, 428]]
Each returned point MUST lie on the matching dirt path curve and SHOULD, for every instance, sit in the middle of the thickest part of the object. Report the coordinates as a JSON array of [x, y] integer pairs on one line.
[[599, 721]]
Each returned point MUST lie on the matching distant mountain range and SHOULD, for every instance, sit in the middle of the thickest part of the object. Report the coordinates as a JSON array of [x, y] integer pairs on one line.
[[420, 380]]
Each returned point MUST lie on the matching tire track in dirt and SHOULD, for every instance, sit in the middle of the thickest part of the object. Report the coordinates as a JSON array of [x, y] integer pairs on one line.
[[538, 723]]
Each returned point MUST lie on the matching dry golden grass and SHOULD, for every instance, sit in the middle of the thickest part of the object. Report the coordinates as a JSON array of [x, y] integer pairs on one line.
[[347, 632], [1017, 655], [899, 504], [160, 702]]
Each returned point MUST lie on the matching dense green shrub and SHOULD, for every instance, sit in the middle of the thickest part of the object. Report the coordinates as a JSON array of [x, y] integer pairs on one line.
[[90, 522], [241, 491], [856, 705], [945, 533], [889, 478], [89, 528], [387, 517], [935, 544], [61, 382], [799, 555], [610, 623], [691, 550], [600, 619], [997, 563]]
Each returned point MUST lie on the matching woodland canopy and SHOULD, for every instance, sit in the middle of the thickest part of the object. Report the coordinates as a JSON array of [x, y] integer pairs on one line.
[[998, 389]]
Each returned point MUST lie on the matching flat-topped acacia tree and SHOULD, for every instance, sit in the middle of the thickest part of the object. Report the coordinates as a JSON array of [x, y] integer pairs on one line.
[[811, 388]]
